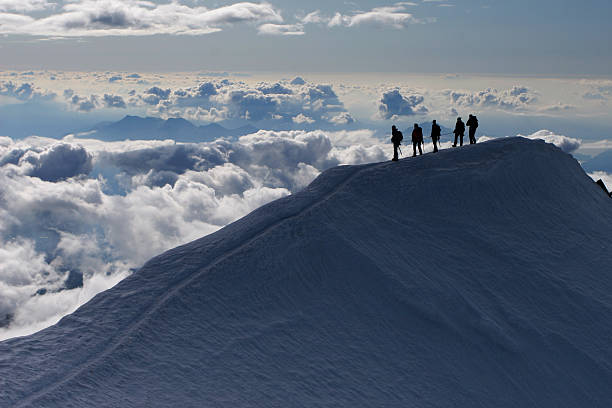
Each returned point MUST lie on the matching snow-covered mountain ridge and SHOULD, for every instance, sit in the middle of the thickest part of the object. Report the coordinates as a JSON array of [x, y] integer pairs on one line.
[[477, 276]]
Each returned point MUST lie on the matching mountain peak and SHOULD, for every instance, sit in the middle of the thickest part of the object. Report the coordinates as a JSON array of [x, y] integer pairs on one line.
[[477, 276]]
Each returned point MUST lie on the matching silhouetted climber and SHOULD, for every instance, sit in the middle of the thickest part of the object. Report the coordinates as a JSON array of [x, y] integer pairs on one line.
[[472, 123], [435, 135], [417, 139], [601, 184], [459, 132], [396, 139]]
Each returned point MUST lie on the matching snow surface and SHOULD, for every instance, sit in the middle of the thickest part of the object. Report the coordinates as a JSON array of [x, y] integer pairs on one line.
[[476, 277]]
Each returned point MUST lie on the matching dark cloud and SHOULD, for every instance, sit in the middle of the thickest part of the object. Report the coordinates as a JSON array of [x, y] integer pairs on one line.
[[251, 106], [175, 158], [114, 101], [161, 93], [84, 104], [207, 89], [59, 162], [155, 95]]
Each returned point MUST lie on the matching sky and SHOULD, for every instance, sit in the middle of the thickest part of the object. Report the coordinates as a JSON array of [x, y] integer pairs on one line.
[[316, 84], [546, 37]]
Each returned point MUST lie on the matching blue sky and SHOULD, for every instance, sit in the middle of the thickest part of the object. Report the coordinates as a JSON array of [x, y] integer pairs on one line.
[[468, 36]]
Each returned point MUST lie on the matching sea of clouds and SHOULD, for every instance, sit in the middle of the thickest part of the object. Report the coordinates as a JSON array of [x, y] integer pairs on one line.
[[78, 215]]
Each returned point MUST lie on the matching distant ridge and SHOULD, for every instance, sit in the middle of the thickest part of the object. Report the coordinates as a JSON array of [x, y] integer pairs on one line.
[[151, 128]]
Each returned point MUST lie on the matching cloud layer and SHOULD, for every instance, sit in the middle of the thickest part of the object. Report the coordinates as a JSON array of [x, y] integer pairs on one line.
[[515, 98], [284, 101], [89, 212]]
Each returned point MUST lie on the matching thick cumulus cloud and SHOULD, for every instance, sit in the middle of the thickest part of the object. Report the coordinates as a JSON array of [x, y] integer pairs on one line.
[[131, 17], [565, 143], [515, 98], [393, 105], [57, 162], [78, 215]]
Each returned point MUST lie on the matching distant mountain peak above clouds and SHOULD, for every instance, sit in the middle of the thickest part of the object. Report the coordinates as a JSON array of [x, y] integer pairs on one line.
[[153, 128]]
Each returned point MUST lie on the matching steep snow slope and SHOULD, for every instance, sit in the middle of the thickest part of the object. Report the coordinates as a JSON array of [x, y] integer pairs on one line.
[[477, 277]]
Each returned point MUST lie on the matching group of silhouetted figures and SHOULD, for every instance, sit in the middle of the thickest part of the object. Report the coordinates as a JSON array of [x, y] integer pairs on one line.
[[436, 132]]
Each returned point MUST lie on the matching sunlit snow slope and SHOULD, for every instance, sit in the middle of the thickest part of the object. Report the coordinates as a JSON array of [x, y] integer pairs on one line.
[[476, 277]]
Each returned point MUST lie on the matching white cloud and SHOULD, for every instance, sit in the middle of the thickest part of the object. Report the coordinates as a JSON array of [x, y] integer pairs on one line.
[[58, 218], [314, 17], [596, 147], [515, 98], [343, 118], [385, 17], [301, 118], [24, 5], [393, 105], [135, 17], [567, 144], [598, 89], [281, 29], [603, 176]]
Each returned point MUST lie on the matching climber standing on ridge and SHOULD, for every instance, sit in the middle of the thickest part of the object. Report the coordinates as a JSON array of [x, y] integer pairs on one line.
[[435, 135], [396, 139], [417, 139], [472, 123], [459, 132]]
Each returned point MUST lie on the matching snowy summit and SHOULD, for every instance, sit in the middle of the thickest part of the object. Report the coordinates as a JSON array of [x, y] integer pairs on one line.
[[476, 277]]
